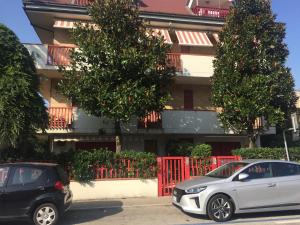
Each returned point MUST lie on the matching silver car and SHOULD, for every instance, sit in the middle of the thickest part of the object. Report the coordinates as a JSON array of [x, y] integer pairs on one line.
[[241, 187]]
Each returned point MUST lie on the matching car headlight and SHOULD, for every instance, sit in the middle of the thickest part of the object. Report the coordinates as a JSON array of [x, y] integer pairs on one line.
[[195, 190]]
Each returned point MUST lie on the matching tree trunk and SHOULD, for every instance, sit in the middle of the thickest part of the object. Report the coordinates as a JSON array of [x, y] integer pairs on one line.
[[118, 136], [252, 141]]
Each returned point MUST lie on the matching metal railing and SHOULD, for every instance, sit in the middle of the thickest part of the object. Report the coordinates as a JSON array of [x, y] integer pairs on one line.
[[81, 3], [173, 59], [210, 12], [60, 117], [152, 120], [58, 55]]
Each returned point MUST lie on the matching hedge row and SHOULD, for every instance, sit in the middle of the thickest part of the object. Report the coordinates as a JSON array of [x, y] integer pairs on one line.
[[84, 163], [267, 153]]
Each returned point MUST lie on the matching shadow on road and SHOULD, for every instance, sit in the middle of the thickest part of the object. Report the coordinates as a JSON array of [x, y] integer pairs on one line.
[[273, 215], [82, 213]]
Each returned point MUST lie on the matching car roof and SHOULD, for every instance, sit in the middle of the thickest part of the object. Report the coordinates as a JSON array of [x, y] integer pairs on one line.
[[250, 161], [30, 164]]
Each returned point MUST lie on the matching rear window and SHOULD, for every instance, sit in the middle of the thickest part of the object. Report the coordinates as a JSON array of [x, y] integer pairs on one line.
[[3, 175], [26, 175], [62, 175]]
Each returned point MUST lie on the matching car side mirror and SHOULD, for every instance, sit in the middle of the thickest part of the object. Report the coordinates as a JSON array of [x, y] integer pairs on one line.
[[243, 176]]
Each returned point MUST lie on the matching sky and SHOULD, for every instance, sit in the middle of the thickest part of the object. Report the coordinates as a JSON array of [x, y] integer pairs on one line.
[[287, 11]]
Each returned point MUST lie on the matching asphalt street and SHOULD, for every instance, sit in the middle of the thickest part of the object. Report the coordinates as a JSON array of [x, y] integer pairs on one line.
[[155, 212]]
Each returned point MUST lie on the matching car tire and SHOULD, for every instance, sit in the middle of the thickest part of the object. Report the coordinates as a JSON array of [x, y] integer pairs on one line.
[[45, 213], [220, 208]]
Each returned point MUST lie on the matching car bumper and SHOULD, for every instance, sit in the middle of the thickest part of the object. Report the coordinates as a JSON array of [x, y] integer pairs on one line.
[[191, 203]]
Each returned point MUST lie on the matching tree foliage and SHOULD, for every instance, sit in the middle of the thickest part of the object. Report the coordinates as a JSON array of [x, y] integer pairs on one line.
[[119, 69], [22, 109], [250, 78]]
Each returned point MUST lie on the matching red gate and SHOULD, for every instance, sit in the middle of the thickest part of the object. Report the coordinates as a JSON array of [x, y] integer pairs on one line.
[[173, 170]]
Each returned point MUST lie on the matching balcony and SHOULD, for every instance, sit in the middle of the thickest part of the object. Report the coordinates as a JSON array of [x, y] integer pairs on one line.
[[173, 59], [191, 122], [81, 3], [210, 12], [50, 56], [58, 55], [60, 118], [151, 121]]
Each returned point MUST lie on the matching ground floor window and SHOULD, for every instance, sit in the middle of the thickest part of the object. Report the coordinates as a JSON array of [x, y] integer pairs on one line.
[[96, 145]]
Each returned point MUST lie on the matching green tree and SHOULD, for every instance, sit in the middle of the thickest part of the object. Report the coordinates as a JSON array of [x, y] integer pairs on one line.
[[250, 78], [119, 69], [22, 109]]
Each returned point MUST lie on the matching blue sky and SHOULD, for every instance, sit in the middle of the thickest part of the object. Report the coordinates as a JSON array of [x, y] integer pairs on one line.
[[13, 16]]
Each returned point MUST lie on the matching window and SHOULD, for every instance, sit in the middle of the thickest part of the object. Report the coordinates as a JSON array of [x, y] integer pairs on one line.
[[3, 175], [227, 170], [285, 169], [188, 99], [26, 175], [260, 170]]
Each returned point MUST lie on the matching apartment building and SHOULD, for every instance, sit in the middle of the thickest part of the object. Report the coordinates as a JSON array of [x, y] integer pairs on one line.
[[190, 26]]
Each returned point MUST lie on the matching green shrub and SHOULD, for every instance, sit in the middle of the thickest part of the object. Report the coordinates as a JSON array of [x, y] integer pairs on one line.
[[83, 166], [85, 161], [267, 153], [176, 148], [201, 151]]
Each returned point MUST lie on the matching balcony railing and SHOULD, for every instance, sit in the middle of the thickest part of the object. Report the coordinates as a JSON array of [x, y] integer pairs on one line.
[[81, 3], [60, 117], [173, 59], [58, 55], [151, 121], [210, 12]]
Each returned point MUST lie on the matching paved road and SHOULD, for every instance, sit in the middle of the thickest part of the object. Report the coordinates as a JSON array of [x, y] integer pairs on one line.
[[155, 212]]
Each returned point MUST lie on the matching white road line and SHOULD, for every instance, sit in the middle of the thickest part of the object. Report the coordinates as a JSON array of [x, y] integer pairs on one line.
[[288, 221]]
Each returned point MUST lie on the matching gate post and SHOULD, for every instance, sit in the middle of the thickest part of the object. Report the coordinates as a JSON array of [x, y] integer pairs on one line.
[[186, 168], [214, 162], [159, 176]]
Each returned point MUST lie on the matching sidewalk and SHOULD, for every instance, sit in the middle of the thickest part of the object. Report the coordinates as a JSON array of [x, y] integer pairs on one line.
[[121, 203]]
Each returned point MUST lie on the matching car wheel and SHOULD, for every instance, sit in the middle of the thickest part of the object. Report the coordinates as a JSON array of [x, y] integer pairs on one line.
[[45, 214], [220, 208]]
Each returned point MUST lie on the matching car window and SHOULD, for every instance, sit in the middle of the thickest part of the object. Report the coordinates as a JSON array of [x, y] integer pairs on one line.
[[285, 169], [227, 170], [259, 170], [3, 175], [26, 175]]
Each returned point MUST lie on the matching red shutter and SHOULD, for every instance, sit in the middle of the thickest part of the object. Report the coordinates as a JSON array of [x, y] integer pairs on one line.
[[188, 99]]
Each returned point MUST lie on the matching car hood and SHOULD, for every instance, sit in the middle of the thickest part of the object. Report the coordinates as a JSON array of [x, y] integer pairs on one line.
[[202, 181]]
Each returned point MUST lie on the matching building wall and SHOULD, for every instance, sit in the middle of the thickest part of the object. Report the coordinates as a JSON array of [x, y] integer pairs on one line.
[[191, 65], [106, 189], [201, 97], [57, 99], [45, 88], [298, 101], [62, 37]]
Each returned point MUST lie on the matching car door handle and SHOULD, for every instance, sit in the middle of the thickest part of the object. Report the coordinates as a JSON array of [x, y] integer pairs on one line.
[[272, 185]]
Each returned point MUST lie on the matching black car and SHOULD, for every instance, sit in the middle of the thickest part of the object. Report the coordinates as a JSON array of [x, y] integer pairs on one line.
[[36, 191]]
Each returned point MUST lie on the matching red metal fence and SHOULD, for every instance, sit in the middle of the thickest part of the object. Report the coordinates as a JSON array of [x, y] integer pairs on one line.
[[173, 170], [60, 117], [122, 169]]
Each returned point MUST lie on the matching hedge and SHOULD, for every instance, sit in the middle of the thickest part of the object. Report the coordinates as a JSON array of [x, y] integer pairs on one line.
[[267, 153], [84, 162]]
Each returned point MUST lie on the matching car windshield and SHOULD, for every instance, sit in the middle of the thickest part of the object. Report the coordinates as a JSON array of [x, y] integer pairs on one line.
[[227, 170]]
